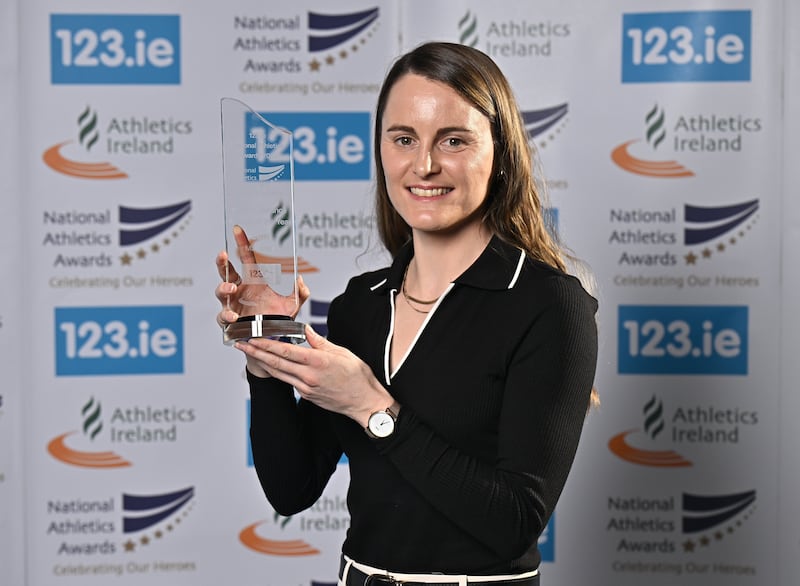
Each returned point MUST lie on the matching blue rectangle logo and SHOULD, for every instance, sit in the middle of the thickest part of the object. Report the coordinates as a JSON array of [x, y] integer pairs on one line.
[[327, 146], [692, 46], [682, 339], [115, 49], [119, 340], [547, 541]]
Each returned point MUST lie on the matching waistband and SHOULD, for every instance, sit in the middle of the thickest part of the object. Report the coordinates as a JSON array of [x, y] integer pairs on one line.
[[352, 573]]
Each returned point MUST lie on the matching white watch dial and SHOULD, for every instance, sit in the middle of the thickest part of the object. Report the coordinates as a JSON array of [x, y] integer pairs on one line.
[[381, 424]]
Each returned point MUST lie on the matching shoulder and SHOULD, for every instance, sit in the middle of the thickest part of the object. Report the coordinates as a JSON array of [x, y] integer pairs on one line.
[[360, 290], [551, 288]]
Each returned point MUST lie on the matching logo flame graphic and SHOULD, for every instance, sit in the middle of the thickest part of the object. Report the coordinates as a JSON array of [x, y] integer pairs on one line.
[[87, 137], [92, 424], [656, 458], [283, 548], [468, 30], [63, 453]]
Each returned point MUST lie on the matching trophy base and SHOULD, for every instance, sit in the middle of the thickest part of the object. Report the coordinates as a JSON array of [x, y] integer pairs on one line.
[[275, 327]]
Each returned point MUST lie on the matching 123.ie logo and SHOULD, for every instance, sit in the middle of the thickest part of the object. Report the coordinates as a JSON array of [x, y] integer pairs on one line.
[[691, 46], [119, 340], [682, 339], [323, 146], [115, 49]]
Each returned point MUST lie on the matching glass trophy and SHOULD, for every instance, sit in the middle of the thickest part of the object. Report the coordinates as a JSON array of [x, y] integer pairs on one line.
[[258, 183]]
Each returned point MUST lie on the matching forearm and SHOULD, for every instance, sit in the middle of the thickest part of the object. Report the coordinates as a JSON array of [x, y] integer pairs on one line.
[[294, 451]]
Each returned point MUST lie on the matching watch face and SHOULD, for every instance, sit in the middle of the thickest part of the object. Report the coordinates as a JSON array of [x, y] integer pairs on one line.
[[381, 424]]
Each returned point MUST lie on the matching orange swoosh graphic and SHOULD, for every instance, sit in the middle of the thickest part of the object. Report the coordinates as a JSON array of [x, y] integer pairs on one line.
[[59, 450], [293, 547], [657, 458], [624, 159], [286, 262], [56, 161]]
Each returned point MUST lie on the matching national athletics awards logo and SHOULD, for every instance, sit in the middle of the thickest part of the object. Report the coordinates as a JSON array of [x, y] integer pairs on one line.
[[76, 162], [545, 124], [157, 226], [657, 238], [333, 37], [655, 134], [647, 530], [151, 517], [88, 239], [710, 518], [86, 530], [725, 225]]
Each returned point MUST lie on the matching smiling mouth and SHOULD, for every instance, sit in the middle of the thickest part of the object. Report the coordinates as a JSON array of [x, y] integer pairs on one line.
[[430, 192]]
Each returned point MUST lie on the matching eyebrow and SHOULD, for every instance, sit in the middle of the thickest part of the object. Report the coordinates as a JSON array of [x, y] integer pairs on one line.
[[441, 131]]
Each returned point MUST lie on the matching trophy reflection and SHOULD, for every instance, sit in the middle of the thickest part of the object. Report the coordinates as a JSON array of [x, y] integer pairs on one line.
[[258, 184]]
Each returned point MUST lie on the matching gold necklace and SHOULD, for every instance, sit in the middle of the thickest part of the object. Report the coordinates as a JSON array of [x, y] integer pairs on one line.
[[409, 299], [414, 299]]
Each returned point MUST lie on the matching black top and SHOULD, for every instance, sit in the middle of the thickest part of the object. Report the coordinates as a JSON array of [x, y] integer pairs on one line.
[[494, 392]]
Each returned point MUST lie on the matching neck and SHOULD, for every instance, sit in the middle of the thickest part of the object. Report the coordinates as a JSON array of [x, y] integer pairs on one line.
[[440, 259]]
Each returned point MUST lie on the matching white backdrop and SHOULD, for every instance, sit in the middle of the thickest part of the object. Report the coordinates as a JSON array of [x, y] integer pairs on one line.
[[11, 322], [669, 154]]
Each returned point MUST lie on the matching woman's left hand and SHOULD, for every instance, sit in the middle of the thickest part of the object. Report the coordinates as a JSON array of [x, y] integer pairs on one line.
[[328, 375]]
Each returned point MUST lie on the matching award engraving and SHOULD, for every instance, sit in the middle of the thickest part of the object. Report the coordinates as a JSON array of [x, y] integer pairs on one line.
[[258, 184]]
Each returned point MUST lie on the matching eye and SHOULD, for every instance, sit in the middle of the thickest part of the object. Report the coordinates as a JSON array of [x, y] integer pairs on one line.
[[453, 144], [403, 140]]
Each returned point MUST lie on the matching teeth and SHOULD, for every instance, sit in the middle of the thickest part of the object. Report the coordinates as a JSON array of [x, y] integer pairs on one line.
[[429, 192]]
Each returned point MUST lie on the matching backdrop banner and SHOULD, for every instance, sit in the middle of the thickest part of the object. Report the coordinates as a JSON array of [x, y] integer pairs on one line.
[[788, 462], [667, 153], [16, 271]]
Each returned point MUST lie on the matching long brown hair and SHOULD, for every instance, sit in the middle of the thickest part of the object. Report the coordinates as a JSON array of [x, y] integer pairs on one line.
[[513, 206]]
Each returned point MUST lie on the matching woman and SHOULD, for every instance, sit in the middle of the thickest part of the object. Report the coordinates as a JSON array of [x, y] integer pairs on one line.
[[457, 379]]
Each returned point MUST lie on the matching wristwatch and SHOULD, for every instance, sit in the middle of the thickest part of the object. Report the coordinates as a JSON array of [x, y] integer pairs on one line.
[[380, 424]]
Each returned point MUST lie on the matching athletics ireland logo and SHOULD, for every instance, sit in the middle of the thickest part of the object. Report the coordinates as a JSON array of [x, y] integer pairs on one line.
[[635, 158]]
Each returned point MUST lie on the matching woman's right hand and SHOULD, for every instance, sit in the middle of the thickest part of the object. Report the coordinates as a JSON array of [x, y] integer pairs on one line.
[[253, 295]]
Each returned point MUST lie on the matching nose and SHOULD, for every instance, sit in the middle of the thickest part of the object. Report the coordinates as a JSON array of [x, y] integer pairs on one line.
[[425, 163]]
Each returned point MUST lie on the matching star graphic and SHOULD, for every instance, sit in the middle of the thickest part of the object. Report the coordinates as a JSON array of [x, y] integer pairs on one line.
[[144, 540], [343, 54], [314, 65], [690, 258], [704, 541], [129, 545], [719, 535], [721, 247], [732, 240], [125, 259], [688, 545], [329, 60], [154, 247], [141, 253], [707, 253], [158, 534]]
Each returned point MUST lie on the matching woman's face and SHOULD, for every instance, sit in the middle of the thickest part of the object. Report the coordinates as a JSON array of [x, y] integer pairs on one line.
[[437, 154]]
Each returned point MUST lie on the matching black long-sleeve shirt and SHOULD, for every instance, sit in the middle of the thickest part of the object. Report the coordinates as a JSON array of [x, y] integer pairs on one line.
[[494, 392]]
